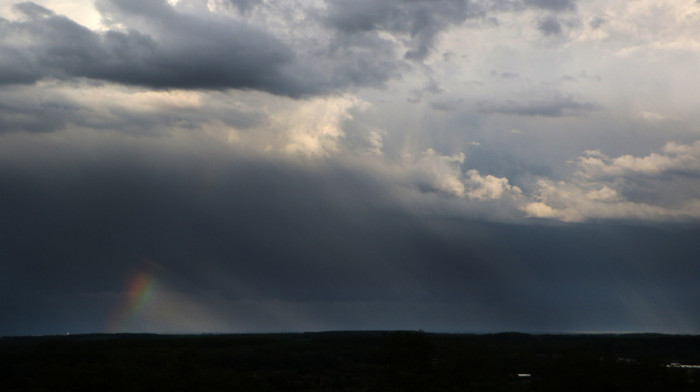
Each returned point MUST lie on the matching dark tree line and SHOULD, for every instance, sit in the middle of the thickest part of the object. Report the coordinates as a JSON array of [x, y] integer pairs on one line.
[[349, 361]]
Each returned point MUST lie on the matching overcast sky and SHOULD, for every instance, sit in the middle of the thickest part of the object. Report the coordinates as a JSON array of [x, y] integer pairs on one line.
[[298, 165]]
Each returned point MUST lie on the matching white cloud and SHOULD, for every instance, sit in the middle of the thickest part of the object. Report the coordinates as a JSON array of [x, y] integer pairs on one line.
[[314, 128], [375, 143], [488, 187], [539, 210], [673, 157], [624, 187], [443, 171]]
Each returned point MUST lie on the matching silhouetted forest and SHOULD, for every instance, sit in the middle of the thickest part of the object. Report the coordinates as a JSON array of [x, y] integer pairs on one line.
[[350, 361]]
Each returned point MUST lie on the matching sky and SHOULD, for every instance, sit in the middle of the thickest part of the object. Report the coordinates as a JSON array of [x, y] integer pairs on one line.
[[187, 166]]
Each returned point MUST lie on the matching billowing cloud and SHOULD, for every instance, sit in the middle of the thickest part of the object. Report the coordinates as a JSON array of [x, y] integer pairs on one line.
[[315, 129], [673, 158], [658, 186], [489, 186], [443, 172]]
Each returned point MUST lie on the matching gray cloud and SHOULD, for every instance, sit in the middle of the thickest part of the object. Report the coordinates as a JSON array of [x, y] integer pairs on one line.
[[550, 26], [56, 108], [156, 45], [244, 6], [505, 75], [419, 21], [163, 48], [32, 10], [596, 22], [558, 106], [42, 117], [242, 234], [554, 25], [430, 88], [554, 5], [190, 52], [120, 154], [446, 105]]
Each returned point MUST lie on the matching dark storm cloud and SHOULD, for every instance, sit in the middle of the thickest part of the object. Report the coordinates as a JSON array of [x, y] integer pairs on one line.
[[165, 49], [156, 45], [249, 231], [559, 106], [189, 52]]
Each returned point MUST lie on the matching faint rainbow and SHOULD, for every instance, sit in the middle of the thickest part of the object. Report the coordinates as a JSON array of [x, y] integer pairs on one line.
[[139, 290]]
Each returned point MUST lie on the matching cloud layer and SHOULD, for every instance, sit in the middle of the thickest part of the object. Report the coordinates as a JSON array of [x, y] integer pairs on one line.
[[240, 244], [449, 165]]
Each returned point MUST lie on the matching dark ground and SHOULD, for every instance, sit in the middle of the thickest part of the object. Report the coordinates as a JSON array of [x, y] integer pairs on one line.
[[349, 361]]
